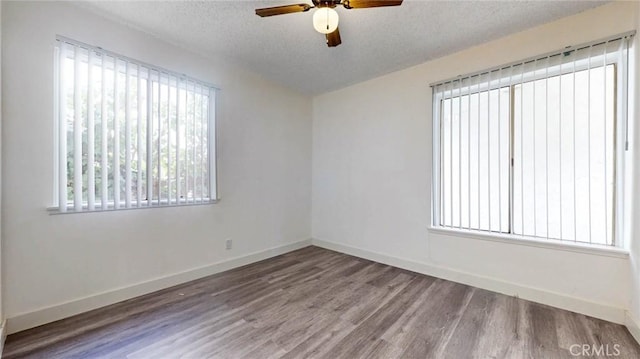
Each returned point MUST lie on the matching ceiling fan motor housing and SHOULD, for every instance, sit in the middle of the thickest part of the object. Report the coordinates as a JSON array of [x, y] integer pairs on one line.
[[327, 3]]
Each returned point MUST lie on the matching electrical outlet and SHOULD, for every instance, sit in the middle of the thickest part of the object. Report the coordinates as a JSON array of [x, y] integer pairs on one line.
[[228, 243]]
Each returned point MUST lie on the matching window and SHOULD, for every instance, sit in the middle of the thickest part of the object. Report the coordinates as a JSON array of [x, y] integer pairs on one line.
[[130, 135], [535, 148]]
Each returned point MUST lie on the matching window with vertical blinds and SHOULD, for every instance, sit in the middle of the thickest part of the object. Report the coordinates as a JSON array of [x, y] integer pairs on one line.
[[130, 135], [535, 148]]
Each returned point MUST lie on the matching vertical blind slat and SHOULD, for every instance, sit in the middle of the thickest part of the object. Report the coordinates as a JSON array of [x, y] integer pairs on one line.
[[499, 152], [589, 136], [91, 190], [573, 110], [511, 153], [604, 116], [127, 140], [178, 143], [522, 149], [139, 139], [202, 140], [478, 153], [546, 143], [116, 136], [193, 148], [62, 131], [149, 140], [469, 155], [168, 144], [77, 135], [104, 169], [441, 162], [443, 212], [211, 135], [441, 168], [560, 145], [196, 146], [533, 134], [459, 120], [159, 142], [489, 149], [188, 94], [451, 155], [436, 187]]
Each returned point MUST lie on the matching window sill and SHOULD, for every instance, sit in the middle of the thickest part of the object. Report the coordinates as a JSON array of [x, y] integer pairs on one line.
[[600, 250], [71, 210]]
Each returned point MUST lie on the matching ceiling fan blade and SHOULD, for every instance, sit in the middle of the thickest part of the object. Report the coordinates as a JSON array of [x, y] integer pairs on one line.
[[360, 4], [333, 38], [281, 10]]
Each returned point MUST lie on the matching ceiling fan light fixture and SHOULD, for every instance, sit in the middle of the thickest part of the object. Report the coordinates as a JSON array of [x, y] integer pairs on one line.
[[325, 20]]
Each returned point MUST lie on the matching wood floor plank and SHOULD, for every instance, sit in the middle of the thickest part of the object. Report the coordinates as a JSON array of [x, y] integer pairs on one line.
[[607, 335], [318, 344], [378, 298], [432, 329], [471, 327], [316, 303], [372, 329], [267, 350], [543, 337], [501, 330]]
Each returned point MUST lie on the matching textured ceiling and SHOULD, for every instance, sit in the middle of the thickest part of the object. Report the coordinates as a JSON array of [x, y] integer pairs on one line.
[[287, 50]]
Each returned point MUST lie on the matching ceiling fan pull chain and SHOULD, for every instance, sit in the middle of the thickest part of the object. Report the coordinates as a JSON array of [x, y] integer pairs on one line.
[[327, 21]]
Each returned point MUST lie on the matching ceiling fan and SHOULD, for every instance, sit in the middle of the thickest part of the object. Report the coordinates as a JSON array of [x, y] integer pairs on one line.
[[325, 18]]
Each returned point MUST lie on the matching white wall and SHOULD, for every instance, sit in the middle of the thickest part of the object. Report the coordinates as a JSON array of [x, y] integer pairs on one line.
[[264, 171], [372, 171]]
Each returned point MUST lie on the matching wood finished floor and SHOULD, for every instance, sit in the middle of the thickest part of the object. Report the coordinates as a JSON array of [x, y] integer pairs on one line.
[[315, 303]]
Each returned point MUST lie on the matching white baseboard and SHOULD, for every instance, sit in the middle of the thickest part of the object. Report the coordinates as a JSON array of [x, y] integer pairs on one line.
[[578, 305], [46, 315], [633, 325], [50, 314], [3, 335]]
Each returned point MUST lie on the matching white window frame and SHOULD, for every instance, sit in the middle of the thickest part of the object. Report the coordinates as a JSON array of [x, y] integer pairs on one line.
[[152, 71], [499, 79]]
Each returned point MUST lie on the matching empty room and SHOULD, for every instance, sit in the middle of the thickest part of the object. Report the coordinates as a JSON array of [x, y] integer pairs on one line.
[[321, 179]]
